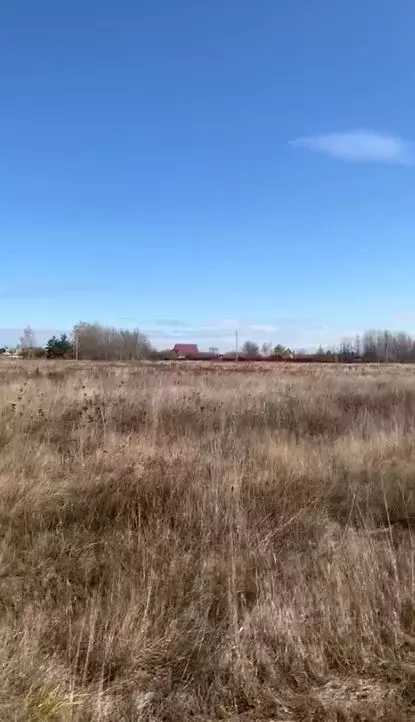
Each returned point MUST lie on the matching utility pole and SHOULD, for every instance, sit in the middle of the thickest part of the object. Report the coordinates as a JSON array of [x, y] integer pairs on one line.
[[236, 344], [76, 345]]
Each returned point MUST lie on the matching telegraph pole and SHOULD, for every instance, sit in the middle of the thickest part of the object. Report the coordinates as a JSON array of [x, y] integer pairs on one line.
[[236, 344]]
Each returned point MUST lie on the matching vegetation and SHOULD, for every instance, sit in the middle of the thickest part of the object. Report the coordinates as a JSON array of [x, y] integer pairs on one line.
[[250, 348], [28, 342], [266, 349], [183, 543], [59, 347], [91, 341], [94, 342], [104, 343], [379, 346], [280, 350]]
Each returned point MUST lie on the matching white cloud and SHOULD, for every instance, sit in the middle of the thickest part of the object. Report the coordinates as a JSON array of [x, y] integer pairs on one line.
[[361, 146]]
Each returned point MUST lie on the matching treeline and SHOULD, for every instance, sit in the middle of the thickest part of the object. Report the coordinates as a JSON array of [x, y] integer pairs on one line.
[[95, 342], [376, 346], [89, 341], [105, 343], [379, 347]]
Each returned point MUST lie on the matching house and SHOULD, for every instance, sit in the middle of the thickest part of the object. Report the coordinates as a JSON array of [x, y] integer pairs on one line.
[[185, 350], [10, 353]]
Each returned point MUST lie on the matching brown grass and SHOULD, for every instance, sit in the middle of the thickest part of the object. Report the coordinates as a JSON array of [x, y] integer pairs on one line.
[[183, 542]]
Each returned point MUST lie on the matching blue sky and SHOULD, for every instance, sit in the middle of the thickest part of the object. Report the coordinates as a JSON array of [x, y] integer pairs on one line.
[[193, 166]]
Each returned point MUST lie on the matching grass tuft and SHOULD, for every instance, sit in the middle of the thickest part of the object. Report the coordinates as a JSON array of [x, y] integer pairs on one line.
[[192, 542]]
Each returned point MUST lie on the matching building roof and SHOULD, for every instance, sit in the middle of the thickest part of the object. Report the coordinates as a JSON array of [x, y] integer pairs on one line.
[[186, 349]]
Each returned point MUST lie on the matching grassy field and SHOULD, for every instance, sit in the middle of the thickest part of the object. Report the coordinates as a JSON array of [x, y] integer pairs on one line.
[[198, 543]]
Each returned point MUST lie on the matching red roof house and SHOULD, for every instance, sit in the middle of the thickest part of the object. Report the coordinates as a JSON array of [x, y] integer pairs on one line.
[[185, 350]]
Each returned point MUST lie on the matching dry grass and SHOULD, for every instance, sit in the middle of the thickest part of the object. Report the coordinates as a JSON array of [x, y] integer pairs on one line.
[[196, 543]]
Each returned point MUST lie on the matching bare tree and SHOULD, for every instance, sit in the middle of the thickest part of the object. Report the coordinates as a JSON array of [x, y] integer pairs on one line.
[[369, 346], [346, 351], [104, 343], [28, 341], [403, 346], [266, 349], [250, 348], [378, 346]]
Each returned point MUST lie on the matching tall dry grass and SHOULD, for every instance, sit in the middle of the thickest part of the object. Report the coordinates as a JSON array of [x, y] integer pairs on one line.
[[195, 543]]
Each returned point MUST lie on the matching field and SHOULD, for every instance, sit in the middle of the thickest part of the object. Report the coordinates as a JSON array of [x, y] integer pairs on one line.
[[187, 542]]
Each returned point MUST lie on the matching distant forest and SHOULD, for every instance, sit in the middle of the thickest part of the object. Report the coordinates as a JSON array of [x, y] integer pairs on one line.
[[93, 341]]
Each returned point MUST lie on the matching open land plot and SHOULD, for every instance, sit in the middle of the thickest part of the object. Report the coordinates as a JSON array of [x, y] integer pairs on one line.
[[201, 542]]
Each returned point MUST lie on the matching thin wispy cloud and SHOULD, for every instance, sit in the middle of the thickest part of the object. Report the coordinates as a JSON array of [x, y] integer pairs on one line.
[[222, 329], [294, 332], [361, 146], [172, 323], [44, 290]]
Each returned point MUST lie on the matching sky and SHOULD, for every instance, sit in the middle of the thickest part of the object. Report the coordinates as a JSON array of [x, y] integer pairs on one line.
[[192, 167]]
